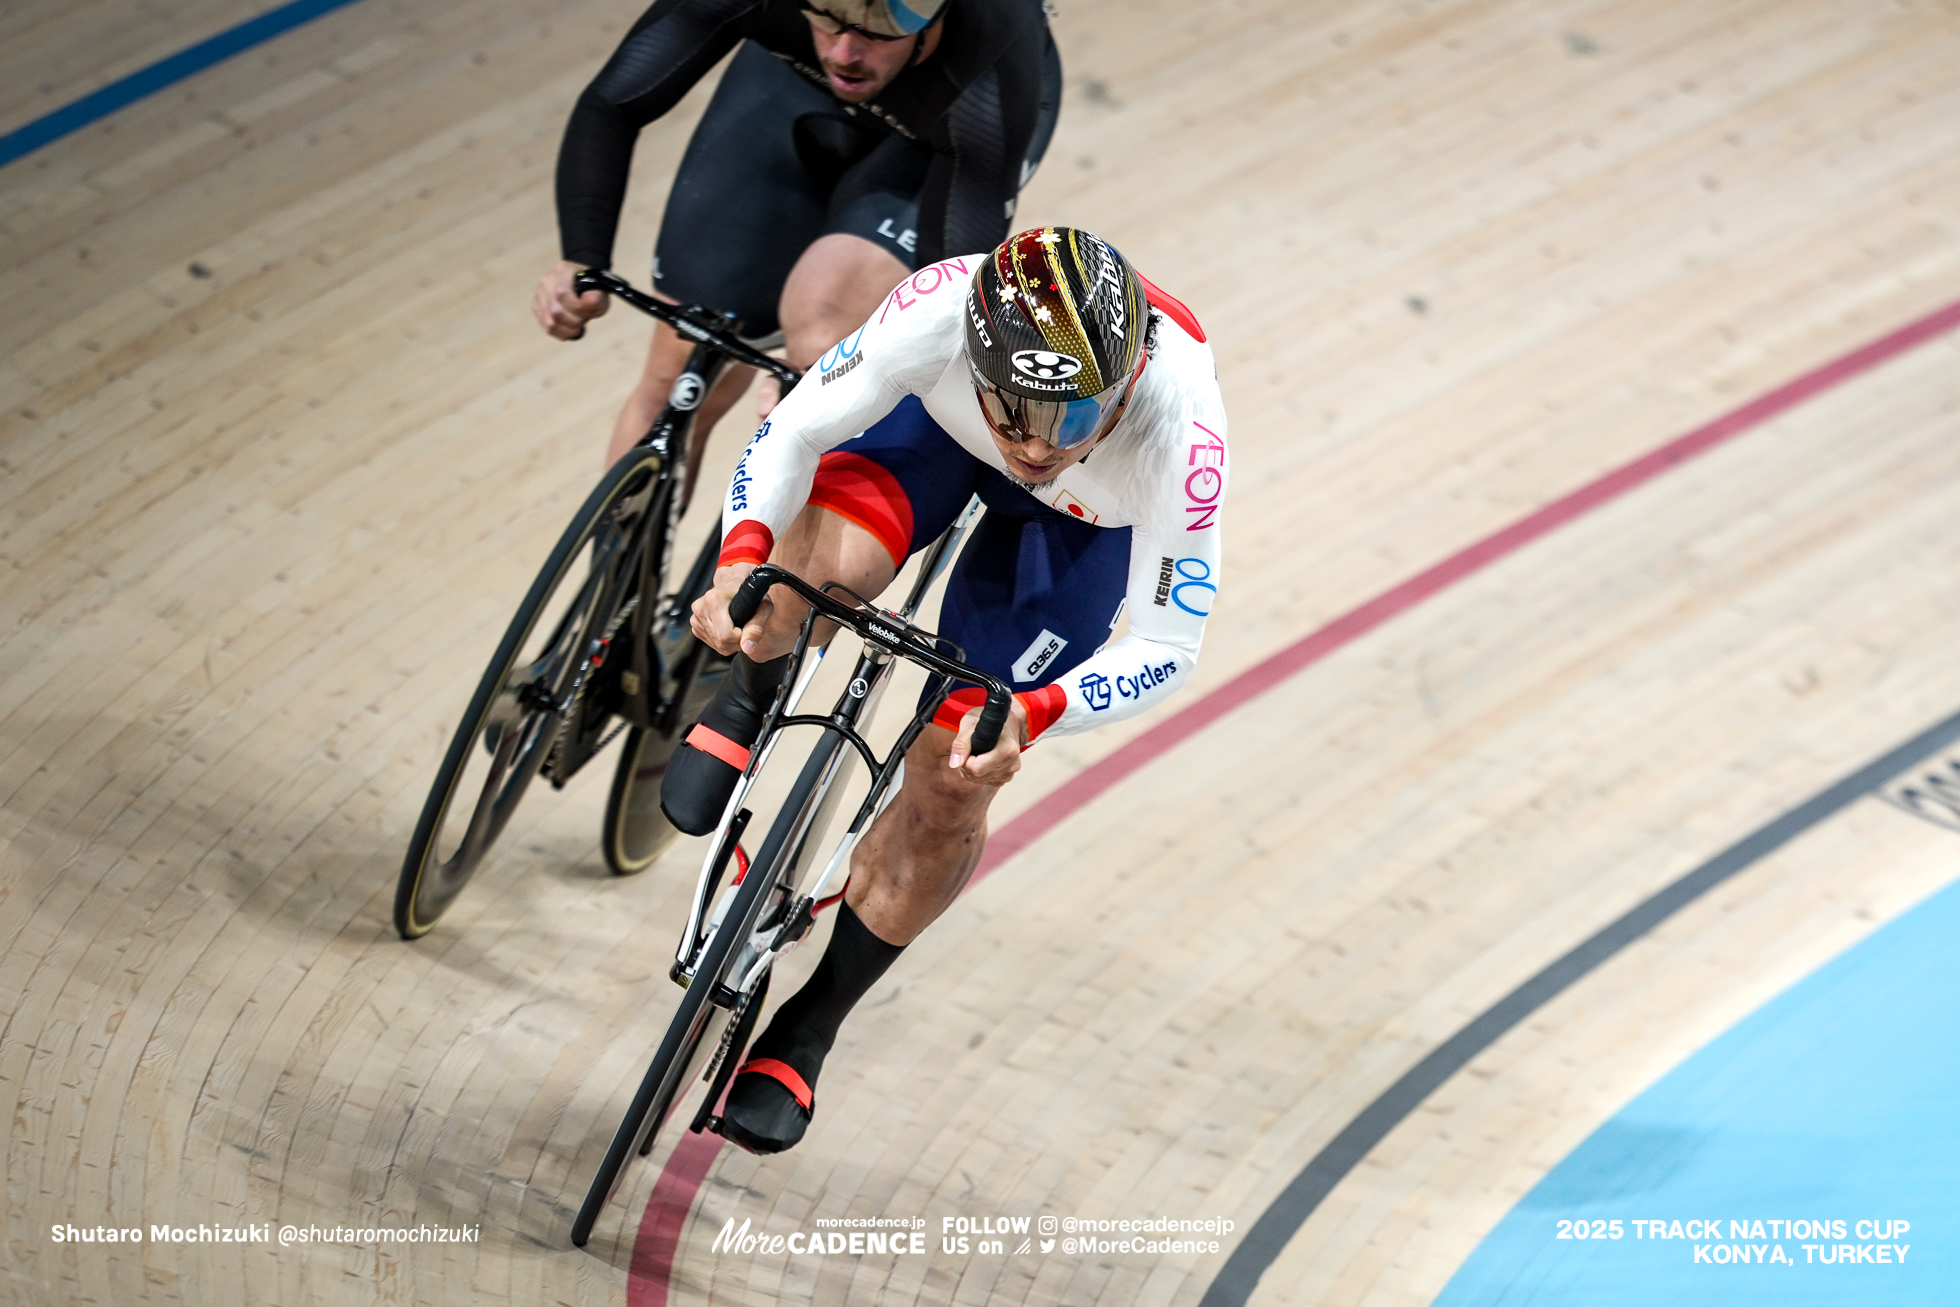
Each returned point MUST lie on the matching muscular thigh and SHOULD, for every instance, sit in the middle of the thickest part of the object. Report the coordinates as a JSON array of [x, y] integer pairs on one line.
[[904, 480], [743, 205], [774, 164], [877, 198]]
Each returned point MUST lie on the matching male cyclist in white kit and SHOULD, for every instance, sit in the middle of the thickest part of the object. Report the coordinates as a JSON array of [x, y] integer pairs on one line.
[[1081, 404]]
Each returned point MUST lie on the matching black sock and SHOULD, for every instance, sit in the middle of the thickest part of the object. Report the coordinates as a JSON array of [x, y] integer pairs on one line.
[[805, 1027]]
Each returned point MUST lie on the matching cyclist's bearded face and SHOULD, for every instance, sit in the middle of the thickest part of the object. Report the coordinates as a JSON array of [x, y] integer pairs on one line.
[[859, 68]]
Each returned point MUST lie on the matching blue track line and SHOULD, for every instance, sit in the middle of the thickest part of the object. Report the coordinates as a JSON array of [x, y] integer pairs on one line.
[[74, 116], [1277, 1225], [1820, 1128]]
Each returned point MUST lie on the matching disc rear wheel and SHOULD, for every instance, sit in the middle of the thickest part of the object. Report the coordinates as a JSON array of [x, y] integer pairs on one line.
[[536, 686]]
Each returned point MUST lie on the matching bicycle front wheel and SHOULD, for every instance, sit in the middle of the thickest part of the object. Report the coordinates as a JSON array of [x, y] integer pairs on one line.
[[530, 693], [698, 1023], [693, 1035]]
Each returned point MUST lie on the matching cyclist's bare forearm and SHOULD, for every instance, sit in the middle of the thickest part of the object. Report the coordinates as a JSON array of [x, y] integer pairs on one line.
[[820, 547]]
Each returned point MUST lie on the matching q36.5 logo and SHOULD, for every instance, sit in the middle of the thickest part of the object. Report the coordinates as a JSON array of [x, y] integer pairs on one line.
[[1046, 365]]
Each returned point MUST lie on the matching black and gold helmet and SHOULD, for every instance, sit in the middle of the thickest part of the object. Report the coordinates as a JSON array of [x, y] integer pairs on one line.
[[1055, 324]]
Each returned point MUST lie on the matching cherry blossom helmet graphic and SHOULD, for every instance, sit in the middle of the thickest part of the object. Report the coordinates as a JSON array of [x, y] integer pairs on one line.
[[1055, 325], [879, 20]]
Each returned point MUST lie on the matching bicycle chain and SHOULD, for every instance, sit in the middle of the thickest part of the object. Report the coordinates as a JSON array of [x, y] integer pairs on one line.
[[727, 1038]]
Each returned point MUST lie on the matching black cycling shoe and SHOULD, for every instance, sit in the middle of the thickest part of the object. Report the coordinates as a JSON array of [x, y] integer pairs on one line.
[[710, 759], [768, 1108]]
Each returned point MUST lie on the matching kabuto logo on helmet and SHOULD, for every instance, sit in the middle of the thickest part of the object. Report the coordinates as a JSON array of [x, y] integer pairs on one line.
[[1052, 315], [1046, 365]]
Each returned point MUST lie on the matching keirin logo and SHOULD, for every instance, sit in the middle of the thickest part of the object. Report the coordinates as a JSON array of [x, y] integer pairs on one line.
[[1046, 365]]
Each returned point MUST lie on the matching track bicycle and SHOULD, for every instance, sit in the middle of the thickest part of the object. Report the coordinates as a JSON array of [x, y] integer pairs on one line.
[[735, 933], [592, 650]]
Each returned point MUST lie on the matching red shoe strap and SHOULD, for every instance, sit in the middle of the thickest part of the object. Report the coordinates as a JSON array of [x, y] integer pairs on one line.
[[716, 745], [785, 1074]]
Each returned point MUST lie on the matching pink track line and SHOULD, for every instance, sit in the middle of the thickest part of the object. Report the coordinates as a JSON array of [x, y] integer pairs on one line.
[[674, 1193]]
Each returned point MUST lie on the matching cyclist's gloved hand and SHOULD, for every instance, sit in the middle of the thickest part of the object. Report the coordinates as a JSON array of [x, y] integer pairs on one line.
[[559, 309]]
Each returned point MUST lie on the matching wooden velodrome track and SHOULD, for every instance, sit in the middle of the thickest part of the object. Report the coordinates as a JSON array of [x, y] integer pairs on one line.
[[282, 449]]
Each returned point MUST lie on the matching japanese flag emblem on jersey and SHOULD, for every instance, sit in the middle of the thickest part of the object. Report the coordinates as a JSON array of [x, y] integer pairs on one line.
[[1075, 508]]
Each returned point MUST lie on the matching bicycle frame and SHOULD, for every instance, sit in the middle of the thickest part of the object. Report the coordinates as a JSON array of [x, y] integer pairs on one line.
[[650, 694], [888, 636]]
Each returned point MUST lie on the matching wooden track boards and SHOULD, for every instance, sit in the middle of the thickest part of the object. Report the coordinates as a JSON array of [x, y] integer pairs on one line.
[[261, 527]]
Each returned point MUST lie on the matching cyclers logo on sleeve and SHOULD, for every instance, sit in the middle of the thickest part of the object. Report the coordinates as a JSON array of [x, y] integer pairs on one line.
[[738, 486], [1148, 678], [1095, 690]]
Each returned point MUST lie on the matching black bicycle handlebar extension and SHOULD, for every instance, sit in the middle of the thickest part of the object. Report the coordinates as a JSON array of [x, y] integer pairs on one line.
[[694, 322], [884, 631]]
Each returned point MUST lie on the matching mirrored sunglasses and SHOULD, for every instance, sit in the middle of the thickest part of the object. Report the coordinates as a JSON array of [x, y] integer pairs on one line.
[[1063, 423]]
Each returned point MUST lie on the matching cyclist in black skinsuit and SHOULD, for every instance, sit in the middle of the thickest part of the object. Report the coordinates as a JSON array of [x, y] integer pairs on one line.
[[849, 143]]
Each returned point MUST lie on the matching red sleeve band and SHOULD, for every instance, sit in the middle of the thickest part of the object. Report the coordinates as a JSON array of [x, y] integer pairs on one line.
[[957, 705], [749, 542], [1042, 706]]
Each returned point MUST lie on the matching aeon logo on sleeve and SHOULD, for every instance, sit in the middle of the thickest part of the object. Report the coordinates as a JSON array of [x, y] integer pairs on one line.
[[1046, 364], [1206, 481]]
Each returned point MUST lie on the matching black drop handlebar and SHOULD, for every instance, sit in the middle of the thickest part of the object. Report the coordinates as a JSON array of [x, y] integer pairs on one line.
[[885, 631], [703, 326]]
